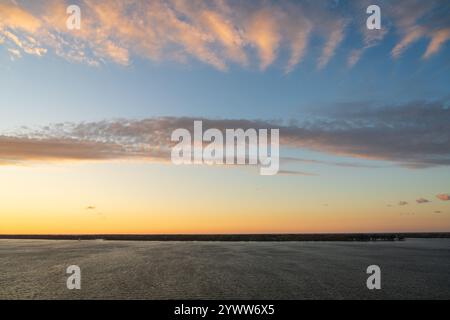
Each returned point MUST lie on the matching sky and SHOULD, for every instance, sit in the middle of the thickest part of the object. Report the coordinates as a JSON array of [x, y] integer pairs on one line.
[[86, 115]]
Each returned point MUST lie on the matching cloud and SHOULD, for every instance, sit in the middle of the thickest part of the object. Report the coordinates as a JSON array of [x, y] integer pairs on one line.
[[27, 45], [295, 173], [383, 132], [438, 38], [402, 203], [413, 135], [443, 197], [14, 16], [14, 53], [335, 38], [263, 32], [411, 20], [415, 20], [330, 163], [14, 150], [370, 38], [218, 33], [298, 32], [413, 35], [422, 200], [90, 208], [227, 34]]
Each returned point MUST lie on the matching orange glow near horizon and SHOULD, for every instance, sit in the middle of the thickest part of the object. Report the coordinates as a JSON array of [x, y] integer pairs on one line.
[[157, 199]]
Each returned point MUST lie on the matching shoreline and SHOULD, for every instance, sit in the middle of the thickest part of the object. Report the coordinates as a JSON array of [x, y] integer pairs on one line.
[[350, 237]]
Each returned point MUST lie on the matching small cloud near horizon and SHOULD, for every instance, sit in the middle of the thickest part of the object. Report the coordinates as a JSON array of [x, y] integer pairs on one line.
[[295, 173], [443, 196]]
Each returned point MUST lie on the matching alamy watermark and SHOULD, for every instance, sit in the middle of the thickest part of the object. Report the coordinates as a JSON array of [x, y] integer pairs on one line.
[[374, 20], [74, 280], [374, 280], [249, 147], [73, 22]]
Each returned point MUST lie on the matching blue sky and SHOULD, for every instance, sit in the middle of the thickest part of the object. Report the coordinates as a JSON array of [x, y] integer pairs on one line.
[[61, 90], [364, 114], [57, 90]]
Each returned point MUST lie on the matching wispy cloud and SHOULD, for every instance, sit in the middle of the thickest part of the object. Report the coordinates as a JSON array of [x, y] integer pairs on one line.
[[370, 38], [414, 34], [415, 20], [263, 33], [403, 203], [333, 41], [218, 33], [329, 163], [295, 173], [438, 38], [422, 200]]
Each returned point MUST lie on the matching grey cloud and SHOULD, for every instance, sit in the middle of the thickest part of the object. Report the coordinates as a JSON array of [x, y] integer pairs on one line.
[[414, 135]]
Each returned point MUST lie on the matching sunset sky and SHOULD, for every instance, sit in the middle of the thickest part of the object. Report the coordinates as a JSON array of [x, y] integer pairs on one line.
[[86, 115]]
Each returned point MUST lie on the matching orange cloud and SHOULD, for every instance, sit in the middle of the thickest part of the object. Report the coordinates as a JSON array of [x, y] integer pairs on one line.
[[438, 38], [413, 35], [217, 33], [335, 38], [443, 197], [15, 150], [262, 32], [228, 35], [15, 17]]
